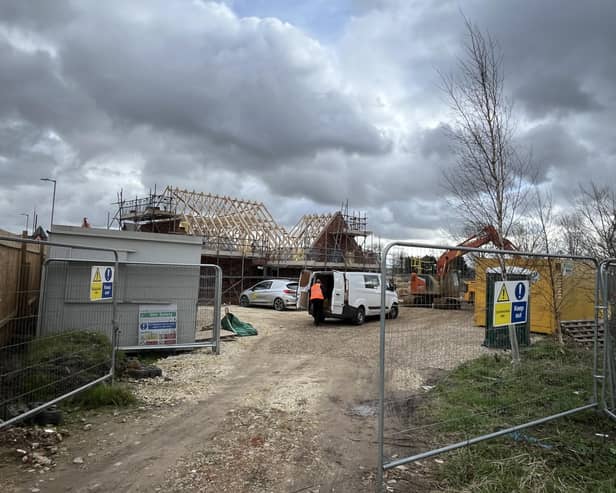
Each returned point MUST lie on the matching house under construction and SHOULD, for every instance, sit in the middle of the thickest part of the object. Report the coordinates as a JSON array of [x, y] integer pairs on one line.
[[244, 239]]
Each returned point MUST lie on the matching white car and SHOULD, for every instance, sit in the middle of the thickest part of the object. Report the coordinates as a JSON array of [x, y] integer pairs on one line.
[[277, 293]]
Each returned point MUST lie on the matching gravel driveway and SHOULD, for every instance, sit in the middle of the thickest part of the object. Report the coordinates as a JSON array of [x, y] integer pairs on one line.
[[289, 410]]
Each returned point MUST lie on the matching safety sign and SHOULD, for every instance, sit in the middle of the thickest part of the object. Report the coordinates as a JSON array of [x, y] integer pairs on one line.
[[510, 302], [158, 324], [101, 282]]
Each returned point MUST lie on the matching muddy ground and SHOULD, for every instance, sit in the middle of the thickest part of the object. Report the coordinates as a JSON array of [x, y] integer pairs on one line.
[[290, 410]]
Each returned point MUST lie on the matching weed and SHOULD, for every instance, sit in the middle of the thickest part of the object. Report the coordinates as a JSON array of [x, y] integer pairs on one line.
[[488, 394], [104, 395]]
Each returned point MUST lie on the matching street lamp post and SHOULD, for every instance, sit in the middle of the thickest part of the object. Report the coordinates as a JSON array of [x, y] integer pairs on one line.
[[27, 219], [53, 200]]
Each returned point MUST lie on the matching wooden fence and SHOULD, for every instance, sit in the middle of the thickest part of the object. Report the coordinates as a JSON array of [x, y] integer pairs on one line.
[[20, 279]]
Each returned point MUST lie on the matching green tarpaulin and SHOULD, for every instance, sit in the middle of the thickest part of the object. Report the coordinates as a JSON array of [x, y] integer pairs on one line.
[[235, 325]]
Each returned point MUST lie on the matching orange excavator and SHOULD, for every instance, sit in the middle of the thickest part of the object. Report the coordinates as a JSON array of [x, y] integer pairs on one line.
[[443, 289]]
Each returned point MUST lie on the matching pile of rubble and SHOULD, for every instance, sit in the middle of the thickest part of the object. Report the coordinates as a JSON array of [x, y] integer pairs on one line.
[[34, 446]]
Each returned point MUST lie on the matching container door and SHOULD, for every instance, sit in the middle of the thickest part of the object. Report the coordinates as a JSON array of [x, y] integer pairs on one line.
[[303, 290], [338, 292]]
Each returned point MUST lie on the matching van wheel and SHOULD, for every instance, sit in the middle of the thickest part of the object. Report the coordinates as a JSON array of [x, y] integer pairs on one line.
[[360, 316], [393, 312], [279, 305], [244, 301]]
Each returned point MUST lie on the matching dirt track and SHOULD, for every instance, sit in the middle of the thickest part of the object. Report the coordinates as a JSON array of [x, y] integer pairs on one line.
[[284, 411]]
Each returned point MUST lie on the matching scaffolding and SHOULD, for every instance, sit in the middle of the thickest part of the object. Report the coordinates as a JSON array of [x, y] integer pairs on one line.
[[246, 228], [154, 210]]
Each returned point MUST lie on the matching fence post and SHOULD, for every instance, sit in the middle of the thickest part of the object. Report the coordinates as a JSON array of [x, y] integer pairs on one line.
[[115, 326], [381, 411], [217, 305], [515, 348]]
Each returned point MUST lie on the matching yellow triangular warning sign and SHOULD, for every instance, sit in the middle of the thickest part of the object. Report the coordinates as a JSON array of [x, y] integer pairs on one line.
[[97, 277], [503, 295]]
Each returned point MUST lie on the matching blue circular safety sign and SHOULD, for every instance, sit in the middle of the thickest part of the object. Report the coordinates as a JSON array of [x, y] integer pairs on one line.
[[520, 290], [108, 274]]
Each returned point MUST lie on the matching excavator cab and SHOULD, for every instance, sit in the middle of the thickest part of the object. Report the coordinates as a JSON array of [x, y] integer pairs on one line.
[[444, 290]]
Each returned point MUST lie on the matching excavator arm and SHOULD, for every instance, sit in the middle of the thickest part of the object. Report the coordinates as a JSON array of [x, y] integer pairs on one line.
[[487, 235]]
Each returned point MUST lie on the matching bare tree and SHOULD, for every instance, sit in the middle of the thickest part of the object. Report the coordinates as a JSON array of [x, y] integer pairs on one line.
[[488, 183], [548, 241], [596, 220], [572, 233]]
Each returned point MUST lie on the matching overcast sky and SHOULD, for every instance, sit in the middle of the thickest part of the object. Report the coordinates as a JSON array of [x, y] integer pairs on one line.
[[298, 104]]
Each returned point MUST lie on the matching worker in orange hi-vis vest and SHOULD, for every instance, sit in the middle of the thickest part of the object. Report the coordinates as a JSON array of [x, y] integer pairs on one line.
[[316, 299]]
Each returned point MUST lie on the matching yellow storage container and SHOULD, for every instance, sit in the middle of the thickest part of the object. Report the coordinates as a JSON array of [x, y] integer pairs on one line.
[[573, 293]]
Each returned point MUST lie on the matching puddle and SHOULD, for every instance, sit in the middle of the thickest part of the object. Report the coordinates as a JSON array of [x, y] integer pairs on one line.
[[364, 410]]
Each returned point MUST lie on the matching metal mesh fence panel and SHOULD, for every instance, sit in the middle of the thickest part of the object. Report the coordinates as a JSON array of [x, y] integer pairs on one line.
[[158, 304], [168, 305], [609, 285], [208, 307], [48, 348], [448, 373]]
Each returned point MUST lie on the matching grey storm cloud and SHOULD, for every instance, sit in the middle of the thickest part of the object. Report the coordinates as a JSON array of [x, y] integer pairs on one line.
[[124, 95], [558, 55], [560, 95], [31, 89], [436, 142], [553, 147], [30, 146], [37, 15], [259, 85]]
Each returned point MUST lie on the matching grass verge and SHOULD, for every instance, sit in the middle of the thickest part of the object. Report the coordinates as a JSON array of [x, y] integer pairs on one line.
[[576, 454], [102, 395]]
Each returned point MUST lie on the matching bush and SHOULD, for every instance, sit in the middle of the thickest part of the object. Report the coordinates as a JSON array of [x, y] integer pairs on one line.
[[64, 362]]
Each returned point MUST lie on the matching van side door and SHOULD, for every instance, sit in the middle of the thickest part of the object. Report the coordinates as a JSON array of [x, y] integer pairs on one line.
[[338, 292], [372, 290], [303, 293]]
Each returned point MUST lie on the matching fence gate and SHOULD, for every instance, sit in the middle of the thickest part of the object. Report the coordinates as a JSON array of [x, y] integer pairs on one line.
[[46, 359], [160, 305], [446, 372], [608, 271]]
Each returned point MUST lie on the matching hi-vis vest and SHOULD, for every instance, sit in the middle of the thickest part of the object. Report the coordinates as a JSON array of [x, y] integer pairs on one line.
[[315, 292]]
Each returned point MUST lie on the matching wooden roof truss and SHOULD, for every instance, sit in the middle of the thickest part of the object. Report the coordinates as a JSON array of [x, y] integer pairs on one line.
[[237, 222], [309, 228]]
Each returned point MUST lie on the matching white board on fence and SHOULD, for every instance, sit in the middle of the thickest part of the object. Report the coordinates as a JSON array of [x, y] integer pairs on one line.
[[158, 324], [510, 303]]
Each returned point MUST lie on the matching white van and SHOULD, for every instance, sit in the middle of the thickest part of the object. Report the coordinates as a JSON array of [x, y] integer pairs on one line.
[[348, 295]]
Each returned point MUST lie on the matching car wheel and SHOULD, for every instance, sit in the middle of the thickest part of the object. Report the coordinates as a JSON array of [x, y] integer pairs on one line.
[[244, 301], [393, 312], [360, 316], [279, 304]]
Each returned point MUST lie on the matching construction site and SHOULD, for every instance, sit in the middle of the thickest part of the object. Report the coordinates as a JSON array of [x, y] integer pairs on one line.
[[291, 404], [246, 241]]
